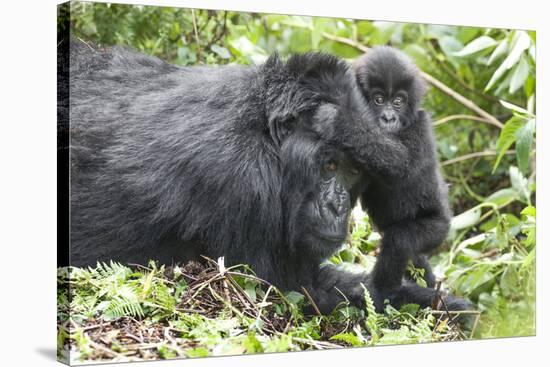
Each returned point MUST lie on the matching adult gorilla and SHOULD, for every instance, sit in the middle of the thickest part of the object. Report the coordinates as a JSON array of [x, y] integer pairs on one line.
[[169, 163]]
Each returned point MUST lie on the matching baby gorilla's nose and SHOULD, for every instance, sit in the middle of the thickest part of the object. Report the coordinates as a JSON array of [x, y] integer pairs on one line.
[[388, 117]]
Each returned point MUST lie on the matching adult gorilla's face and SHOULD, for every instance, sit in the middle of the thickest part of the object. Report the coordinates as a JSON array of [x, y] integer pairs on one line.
[[317, 182]]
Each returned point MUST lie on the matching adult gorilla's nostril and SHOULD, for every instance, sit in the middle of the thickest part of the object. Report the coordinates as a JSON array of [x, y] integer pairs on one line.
[[333, 206]]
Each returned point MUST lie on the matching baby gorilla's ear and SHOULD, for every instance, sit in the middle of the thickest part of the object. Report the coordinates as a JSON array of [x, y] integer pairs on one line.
[[422, 115], [325, 120]]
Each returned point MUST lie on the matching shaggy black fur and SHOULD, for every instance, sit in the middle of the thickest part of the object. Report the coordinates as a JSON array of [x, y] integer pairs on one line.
[[169, 163], [407, 199]]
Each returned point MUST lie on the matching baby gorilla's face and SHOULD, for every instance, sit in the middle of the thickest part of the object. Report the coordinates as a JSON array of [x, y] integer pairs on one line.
[[392, 86], [390, 107]]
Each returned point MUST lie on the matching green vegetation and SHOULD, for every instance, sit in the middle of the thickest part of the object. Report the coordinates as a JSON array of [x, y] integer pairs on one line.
[[482, 99]]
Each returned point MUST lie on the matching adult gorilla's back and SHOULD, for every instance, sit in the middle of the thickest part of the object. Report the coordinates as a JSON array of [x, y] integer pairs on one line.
[[169, 162]]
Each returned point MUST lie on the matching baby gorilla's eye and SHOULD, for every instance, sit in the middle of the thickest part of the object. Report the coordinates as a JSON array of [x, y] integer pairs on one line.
[[331, 166], [398, 101], [378, 99]]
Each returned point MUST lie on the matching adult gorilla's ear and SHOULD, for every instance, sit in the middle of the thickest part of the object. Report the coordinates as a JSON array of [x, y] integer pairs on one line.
[[285, 98], [299, 87], [324, 121]]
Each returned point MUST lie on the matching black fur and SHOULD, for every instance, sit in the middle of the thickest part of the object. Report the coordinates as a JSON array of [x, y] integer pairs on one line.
[[407, 199], [169, 163]]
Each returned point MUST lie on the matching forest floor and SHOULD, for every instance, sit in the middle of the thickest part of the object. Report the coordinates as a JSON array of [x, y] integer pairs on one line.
[[130, 313]]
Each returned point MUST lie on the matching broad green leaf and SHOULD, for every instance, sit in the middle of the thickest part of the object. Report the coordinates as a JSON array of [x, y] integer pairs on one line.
[[496, 76], [473, 240], [221, 51], [519, 75], [294, 297], [479, 44], [521, 43], [297, 21], [507, 138], [466, 219], [437, 31], [530, 211], [524, 141], [197, 352], [450, 45], [520, 183], [349, 338], [502, 196], [499, 51], [245, 47], [529, 86], [515, 108], [478, 277]]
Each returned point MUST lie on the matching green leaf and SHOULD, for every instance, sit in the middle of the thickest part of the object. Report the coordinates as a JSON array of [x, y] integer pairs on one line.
[[294, 297], [529, 86], [197, 352], [252, 344], [521, 43], [472, 241], [519, 75], [502, 197], [520, 183], [496, 76], [348, 338], [530, 211], [221, 51], [477, 278], [466, 219], [410, 308], [507, 137], [515, 108], [479, 44], [450, 45], [498, 52], [524, 141]]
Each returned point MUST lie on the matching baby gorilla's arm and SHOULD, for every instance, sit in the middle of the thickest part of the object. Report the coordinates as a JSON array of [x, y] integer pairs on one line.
[[378, 152]]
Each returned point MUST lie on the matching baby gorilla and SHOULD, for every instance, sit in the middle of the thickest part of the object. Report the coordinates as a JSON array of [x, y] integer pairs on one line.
[[405, 194]]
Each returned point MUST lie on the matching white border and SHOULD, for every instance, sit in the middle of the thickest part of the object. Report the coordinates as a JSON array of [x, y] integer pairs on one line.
[[28, 180]]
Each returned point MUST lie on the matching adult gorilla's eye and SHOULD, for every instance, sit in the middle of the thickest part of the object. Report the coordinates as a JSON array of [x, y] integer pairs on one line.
[[399, 101], [331, 166], [378, 99]]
